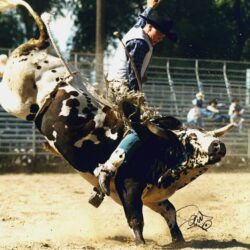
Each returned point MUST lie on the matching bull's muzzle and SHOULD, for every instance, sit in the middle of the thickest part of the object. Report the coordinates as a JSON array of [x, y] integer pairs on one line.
[[216, 151]]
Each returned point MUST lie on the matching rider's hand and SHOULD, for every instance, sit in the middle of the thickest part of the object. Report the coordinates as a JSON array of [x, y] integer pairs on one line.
[[153, 3]]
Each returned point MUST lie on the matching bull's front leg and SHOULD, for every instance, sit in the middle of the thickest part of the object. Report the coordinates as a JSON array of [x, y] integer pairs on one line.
[[168, 211], [130, 192]]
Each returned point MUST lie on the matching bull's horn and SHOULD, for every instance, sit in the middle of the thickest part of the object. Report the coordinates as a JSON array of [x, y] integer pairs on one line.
[[221, 131]]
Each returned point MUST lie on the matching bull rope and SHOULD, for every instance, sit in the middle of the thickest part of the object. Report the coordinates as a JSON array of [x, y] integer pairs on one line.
[[46, 17], [138, 97]]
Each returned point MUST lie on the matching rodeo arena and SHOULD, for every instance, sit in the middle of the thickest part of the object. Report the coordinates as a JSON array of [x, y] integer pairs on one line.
[[61, 121]]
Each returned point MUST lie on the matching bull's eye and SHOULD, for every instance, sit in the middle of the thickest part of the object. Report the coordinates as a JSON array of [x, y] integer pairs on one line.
[[193, 136]]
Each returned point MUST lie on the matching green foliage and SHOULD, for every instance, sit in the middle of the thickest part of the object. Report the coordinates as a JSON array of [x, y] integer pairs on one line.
[[202, 31], [39, 6], [11, 34], [18, 26], [120, 16], [237, 12], [215, 29]]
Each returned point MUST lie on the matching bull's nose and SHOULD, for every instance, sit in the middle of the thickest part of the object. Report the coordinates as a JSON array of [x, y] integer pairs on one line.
[[217, 148]]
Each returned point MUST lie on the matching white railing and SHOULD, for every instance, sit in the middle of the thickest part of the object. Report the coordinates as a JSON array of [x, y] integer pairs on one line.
[[170, 87]]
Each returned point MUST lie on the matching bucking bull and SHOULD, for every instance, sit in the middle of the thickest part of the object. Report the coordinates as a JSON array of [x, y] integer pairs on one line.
[[35, 87]]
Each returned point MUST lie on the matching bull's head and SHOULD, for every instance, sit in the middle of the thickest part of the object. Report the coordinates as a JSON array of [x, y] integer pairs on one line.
[[202, 147]]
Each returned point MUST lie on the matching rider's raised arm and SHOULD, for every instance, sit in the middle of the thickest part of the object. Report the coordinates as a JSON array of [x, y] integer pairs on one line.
[[151, 4], [142, 22]]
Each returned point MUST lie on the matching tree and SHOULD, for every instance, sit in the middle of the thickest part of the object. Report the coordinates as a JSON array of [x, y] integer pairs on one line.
[[206, 29], [100, 38], [120, 15], [11, 34], [39, 6], [237, 12], [203, 32], [18, 26]]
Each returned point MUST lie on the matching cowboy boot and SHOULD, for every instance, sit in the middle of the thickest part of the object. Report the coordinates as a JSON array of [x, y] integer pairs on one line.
[[107, 170]]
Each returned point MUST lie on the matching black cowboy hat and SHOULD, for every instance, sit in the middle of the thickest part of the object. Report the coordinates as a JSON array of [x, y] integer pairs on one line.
[[161, 22]]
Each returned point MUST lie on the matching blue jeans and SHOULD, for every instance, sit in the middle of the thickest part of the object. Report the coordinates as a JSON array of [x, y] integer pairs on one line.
[[129, 144]]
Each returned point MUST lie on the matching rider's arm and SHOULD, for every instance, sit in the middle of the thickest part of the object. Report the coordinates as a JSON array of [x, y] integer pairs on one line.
[[151, 4], [138, 50], [142, 22]]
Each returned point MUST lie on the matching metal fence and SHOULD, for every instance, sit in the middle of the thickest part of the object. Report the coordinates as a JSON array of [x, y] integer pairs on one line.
[[170, 87]]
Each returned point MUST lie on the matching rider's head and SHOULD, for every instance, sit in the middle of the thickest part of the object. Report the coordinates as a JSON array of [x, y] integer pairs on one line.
[[158, 26]]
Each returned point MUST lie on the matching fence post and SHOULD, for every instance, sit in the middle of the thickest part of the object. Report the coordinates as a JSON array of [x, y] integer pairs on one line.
[[199, 83], [76, 60], [171, 86], [247, 87], [33, 139], [248, 148], [227, 83]]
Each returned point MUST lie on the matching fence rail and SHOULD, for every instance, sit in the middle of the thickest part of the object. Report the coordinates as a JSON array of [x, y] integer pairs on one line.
[[170, 87]]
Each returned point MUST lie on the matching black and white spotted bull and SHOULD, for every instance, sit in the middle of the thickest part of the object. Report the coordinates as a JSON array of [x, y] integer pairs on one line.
[[85, 133]]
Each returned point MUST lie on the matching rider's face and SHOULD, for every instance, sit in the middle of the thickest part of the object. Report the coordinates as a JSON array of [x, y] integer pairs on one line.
[[154, 35]]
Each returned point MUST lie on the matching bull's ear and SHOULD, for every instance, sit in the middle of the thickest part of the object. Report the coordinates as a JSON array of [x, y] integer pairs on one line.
[[221, 131], [168, 122], [164, 133]]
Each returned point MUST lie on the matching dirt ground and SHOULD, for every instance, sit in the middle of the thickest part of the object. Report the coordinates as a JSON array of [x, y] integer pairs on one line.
[[51, 211]]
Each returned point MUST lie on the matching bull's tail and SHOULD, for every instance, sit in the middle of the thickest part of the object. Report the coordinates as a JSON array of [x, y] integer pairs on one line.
[[32, 43]]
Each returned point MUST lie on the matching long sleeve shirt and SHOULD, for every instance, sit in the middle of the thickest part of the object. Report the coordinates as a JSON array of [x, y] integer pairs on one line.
[[138, 49]]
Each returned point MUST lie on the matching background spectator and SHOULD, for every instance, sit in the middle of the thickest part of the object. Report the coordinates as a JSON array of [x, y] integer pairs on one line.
[[235, 105], [199, 102], [194, 117], [236, 113], [214, 112]]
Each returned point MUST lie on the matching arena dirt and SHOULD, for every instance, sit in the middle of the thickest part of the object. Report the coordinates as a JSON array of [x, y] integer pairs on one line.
[[50, 211]]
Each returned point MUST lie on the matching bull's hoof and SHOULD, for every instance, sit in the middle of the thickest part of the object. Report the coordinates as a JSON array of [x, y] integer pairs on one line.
[[139, 242], [176, 234], [178, 240]]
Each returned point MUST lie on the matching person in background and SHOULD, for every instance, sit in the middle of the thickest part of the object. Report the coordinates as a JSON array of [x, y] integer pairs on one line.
[[236, 113], [214, 112], [235, 104], [152, 27], [194, 117], [199, 102]]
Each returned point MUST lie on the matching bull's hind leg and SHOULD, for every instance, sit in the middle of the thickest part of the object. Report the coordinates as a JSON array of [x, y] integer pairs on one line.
[[168, 211], [130, 193]]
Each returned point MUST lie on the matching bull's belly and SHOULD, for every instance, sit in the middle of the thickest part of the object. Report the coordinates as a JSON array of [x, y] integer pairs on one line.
[[152, 194], [156, 194]]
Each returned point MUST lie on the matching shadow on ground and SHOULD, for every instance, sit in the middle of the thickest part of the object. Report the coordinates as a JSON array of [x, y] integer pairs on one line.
[[130, 240], [208, 244]]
